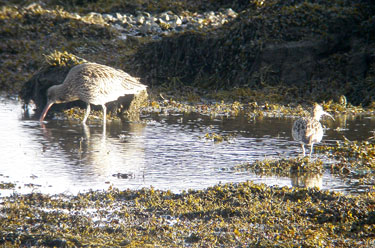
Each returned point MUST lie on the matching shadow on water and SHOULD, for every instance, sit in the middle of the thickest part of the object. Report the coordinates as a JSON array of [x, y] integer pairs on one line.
[[166, 152]]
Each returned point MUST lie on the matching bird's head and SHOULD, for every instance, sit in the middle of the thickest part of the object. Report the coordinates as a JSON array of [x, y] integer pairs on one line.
[[54, 95], [318, 112]]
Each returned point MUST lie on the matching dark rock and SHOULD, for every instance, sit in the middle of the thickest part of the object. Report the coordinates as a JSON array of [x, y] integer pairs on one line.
[[36, 88], [223, 62], [371, 218], [55, 242], [294, 62]]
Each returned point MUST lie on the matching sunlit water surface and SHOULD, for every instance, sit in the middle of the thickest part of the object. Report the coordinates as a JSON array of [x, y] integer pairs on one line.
[[165, 152]]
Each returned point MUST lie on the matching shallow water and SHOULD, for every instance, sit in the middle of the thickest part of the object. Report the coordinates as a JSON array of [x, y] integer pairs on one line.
[[166, 152]]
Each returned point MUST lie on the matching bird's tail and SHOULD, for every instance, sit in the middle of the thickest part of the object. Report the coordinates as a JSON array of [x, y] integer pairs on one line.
[[133, 85]]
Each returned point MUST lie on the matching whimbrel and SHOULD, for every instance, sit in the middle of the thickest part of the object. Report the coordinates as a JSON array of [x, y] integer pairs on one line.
[[308, 130], [94, 84]]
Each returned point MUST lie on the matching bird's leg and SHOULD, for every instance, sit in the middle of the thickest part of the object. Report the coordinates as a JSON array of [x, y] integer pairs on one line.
[[104, 114], [88, 109], [303, 149], [311, 148]]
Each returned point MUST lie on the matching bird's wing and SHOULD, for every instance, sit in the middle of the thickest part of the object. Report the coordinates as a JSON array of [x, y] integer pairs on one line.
[[299, 129], [312, 127]]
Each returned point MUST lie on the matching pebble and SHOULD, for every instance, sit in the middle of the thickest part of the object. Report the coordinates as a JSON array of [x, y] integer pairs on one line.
[[161, 24], [108, 18], [140, 19]]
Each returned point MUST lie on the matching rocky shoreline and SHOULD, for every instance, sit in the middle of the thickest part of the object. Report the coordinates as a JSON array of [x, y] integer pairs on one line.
[[163, 24], [319, 51]]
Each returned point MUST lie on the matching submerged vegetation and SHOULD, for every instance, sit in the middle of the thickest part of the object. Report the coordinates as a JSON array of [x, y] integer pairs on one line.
[[217, 138]]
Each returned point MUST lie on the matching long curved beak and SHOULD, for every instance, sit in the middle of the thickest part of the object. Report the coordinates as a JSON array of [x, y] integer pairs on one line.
[[45, 110], [325, 113]]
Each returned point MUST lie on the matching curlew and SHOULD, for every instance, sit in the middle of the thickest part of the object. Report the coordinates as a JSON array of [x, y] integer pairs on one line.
[[308, 130], [94, 84]]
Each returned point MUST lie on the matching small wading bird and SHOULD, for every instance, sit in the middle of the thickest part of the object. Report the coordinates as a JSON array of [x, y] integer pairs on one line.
[[94, 84], [308, 130]]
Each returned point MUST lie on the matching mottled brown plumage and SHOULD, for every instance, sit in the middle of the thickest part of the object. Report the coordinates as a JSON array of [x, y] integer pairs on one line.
[[308, 130], [94, 84]]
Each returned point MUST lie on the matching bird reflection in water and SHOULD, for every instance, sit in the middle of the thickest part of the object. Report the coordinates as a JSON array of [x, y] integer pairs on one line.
[[98, 150], [307, 180]]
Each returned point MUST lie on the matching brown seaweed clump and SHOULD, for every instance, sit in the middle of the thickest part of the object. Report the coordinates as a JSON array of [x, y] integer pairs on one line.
[[230, 215], [283, 167], [355, 160]]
